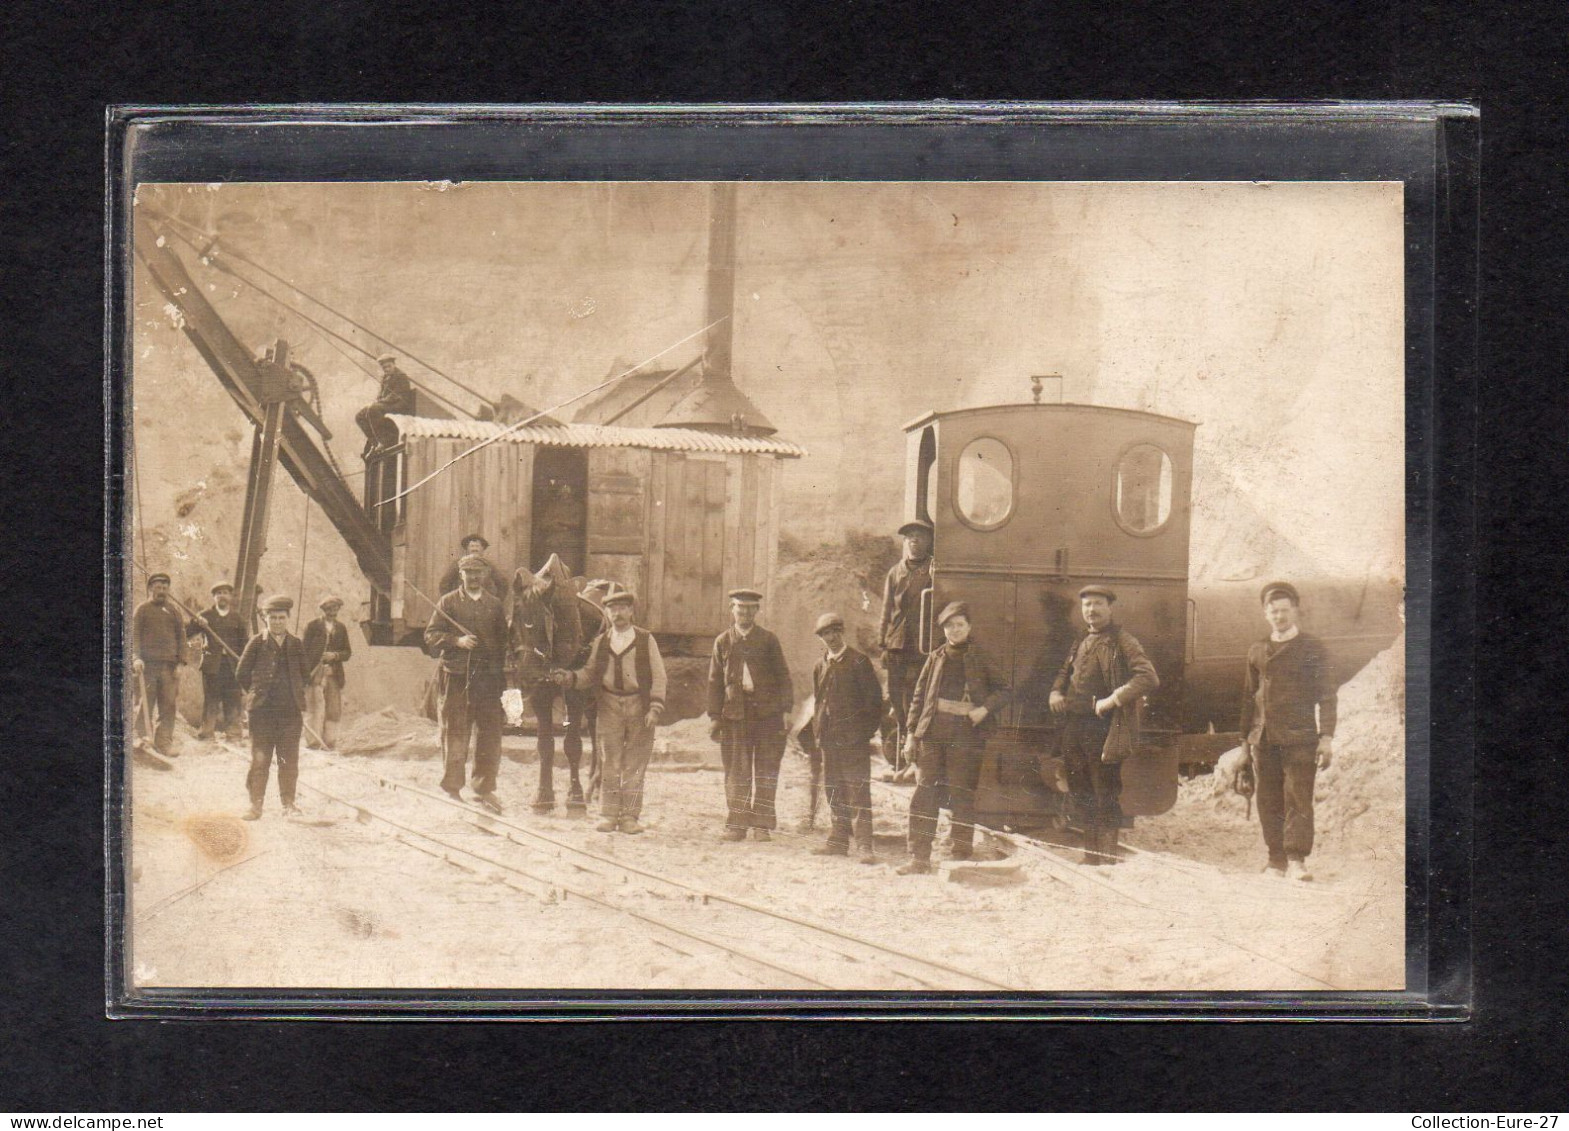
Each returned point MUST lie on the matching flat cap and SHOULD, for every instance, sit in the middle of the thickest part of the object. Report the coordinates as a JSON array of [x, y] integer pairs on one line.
[[749, 596], [617, 594], [473, 561], [1279, 589], [915, 525], [480, 538], [827, 621], [598, 583], [387, 357], [221, 587], [953, 609], [156, 577], [279, 604], [1105, 591], [330, 601]]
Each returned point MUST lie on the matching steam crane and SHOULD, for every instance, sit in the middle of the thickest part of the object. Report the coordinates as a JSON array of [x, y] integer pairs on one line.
[[271, 392]]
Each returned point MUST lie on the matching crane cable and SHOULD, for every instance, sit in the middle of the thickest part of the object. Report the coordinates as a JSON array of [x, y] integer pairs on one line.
[[232, 254]]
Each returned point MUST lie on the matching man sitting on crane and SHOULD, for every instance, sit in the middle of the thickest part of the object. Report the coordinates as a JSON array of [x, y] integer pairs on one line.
[[396, 396]]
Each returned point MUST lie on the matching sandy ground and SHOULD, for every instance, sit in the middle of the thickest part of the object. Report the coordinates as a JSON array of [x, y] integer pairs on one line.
[[326, 900]]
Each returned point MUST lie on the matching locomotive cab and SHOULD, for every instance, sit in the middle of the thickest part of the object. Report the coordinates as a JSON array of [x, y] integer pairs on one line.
[[1029, 503]]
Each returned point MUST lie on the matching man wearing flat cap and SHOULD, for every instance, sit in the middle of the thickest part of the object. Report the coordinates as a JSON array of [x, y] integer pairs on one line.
[[326, 651], [749, 702], [222, 634], [847, 709], [1289, 700], [493, 581], [396, 396], [272, 669], [625, 676], [955, 703], [468, 631], [157, 651], [1097, 696], [899, 632]]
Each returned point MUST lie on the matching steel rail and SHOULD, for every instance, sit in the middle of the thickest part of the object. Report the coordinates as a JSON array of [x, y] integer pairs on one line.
[[683, 885]]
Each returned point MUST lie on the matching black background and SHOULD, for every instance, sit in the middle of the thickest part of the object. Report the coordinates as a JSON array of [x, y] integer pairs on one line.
[[65, 62]]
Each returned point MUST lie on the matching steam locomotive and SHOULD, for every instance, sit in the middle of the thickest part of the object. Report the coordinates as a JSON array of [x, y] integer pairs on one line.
[[1029, 503]]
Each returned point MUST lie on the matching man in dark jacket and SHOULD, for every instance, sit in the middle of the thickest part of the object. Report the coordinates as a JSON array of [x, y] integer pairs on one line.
[[847, 708], [396, 396], [749, 702], [326, 650], [1288, 726], [546, 636], [468, 631], [1101, 683], [157, 651], [272, 669], [960, 690], [223, 637], [493, 581], [899, 631]]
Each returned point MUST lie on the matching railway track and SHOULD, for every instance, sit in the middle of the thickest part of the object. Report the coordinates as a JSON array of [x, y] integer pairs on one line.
[[551, 868]]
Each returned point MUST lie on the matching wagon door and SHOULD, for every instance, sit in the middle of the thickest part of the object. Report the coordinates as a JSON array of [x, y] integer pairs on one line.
[[618, 516]]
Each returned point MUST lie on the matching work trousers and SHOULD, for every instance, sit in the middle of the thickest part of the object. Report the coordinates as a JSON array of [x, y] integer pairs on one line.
[[625, 745], [373, 421], [220, 703], [903, 666], [324, 703], [949, 758], [1094, 786], [470, 709], [274, 734], [163, 686], [542, 701], [1285, 776], [751, 750], [847, 779]]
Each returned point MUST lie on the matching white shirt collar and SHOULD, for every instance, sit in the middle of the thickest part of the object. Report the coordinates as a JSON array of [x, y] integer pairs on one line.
[[619, 640], [835, 655], [1282, 637], [743, 633]]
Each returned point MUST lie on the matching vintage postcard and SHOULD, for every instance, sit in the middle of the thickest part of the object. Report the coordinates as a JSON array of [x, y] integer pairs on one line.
[[773, 587]]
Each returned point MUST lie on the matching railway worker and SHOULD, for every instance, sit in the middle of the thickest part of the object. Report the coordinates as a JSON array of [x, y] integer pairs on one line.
[[223, 638], [326, 650], [625, 676], [899, 635], [750, 698], [157, 651], [473, 544], [546, 635], [1097, 694], [468, 631], [1288, 727], [272, 668], [960, 690], [847, 710], [395, 396]]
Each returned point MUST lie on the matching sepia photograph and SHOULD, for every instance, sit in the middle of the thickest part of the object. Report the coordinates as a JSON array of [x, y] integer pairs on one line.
[[770, 587]]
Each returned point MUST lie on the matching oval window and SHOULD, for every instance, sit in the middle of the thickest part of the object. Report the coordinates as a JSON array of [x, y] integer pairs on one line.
[[983, 488], [1143, 489]]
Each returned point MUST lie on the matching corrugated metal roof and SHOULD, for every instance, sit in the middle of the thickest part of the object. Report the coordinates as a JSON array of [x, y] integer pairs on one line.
[[594, 436]]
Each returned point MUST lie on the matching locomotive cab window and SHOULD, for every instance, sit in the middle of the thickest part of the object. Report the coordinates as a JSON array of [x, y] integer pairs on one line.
[[1142, 493], [983, 487]]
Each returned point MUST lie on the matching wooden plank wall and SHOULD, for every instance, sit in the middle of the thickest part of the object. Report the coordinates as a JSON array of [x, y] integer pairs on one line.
[[619, 518]]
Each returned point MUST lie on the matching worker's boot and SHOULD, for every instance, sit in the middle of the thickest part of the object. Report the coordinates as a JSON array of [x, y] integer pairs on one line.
[[919, 866]]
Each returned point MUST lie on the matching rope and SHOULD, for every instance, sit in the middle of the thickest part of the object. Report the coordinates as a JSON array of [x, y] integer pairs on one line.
[[548, 412], [232, 254]]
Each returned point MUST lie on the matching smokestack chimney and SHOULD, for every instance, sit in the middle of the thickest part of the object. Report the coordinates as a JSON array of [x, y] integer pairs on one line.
[[715, 404]]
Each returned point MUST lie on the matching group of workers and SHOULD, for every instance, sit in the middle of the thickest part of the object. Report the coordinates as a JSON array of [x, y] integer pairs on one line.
[[547, 634]]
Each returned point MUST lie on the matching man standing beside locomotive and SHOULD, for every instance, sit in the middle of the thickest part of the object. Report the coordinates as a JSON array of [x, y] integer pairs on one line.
[[961, 687], [847, 707], [273, 670], [625, 675], [468, 631], [749, 702], [1288, 725], [326, 649], [1098, 692], [899, 634], [223, 635]]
